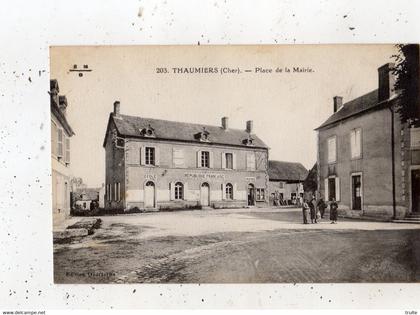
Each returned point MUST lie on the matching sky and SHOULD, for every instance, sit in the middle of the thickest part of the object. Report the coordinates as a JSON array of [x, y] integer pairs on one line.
[[285, 107]]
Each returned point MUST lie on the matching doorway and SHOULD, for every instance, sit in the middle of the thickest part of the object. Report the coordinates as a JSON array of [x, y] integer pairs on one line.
[[251, 195], [205, 195], [331, 188], [415, 191], [149, 195], [356, 191]]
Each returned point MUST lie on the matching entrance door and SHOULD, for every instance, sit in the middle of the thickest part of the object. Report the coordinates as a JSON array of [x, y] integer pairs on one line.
[[331, 188], [356, 181], [415, 190], [251, 195], [205, 195], [149, 195]]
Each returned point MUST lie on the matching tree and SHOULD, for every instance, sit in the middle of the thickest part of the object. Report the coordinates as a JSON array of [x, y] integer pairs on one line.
[[311, 183], [407, 83]]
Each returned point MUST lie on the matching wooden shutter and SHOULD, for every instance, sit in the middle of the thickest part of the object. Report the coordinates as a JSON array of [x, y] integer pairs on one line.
[[198, 158], [157, 156], [234, 160], [327, 196], [186, 196], [172, 190], [142, 156], [67, 155], [211, 162], [133, 156], [234, 191], [223, 191], [337, 189], [223, 160], [60, 142]]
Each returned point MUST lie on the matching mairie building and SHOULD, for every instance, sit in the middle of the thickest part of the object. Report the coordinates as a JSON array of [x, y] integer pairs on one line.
[[156, 165]]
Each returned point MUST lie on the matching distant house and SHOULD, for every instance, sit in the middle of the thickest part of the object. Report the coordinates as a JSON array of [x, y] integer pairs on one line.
[[286, 181], [83, 197], [61, 132]]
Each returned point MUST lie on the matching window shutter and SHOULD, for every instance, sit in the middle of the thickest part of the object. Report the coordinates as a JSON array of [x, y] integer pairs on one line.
[[223, 191], [60, 142], [327, 196], [142, 155], [234, 160], [133, 156], [67, 156], [337, 189], [186, 191], [223, 160], [211, 162], [234, 191], [172, 190], [157, 155], [198, 158]]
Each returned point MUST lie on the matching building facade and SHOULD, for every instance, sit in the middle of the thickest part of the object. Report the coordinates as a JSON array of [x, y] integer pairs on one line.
[[367, 159], [154, 164], [286, 182], [61, 132]]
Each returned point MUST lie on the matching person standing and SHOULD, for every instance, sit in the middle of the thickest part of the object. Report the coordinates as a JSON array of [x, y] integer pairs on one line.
[[305, 212], [321, 207], [312, 208], [333, 211]]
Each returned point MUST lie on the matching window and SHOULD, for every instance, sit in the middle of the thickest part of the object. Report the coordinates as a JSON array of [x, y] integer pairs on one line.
[[356, 143], [150, 156], [250, 161], [115, 191], [260, 194], [229, 191], [178, 157], [179, 191], [332, 150], [229, 161], [205, 159]]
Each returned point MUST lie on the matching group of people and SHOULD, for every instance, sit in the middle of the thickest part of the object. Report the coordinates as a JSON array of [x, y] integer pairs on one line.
[[316, 210]]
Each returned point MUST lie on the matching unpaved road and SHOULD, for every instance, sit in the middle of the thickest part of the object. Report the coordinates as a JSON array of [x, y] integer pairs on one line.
[[239, 246]]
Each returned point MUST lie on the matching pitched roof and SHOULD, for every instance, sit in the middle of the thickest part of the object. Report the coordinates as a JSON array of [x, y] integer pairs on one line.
[[131, 126], [354, 107], [287, 171]]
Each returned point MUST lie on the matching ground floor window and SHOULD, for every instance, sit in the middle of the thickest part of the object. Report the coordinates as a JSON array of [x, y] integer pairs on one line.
[[260, 194], [229, 191], [179, 191]]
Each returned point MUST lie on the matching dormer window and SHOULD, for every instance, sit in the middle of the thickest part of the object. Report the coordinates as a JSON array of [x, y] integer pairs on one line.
[[203, 135], [148, 132], [248, 141]]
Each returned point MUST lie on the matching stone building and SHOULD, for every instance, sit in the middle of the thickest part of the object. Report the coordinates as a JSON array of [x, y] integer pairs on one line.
[[367, 159], [286, 182], [156, 164], [61, 132]]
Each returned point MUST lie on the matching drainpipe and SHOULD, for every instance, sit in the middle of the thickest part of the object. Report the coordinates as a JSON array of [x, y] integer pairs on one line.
[[394, 206]]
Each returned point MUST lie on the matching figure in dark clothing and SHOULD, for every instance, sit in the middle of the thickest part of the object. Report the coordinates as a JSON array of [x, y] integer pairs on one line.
[[333, 211], [313, 211], [321, 207], [305, 212]]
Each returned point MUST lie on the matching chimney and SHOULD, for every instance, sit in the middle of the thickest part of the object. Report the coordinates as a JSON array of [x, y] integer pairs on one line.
[[386, 82], [116, 108], [249, 126], [225, 123], [338, 103]]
